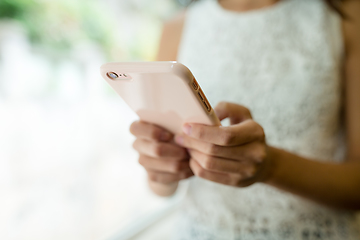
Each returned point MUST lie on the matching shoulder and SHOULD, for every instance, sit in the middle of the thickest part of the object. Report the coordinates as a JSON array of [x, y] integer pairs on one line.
[[351, 25], [170, 38]]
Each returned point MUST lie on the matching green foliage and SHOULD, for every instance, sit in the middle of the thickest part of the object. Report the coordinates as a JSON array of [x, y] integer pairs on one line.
[[13, 8], [61, 24]]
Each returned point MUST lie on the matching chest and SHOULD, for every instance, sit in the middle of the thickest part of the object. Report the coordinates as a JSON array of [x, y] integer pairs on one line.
[[284, 67]]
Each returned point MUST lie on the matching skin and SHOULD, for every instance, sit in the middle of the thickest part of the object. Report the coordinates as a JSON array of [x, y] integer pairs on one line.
[[238, 155]]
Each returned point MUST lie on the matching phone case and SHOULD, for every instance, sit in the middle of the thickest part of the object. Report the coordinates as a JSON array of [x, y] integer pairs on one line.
[[162, 93]]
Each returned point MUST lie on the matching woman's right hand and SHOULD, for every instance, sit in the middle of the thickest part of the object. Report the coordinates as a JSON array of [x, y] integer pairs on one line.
[[165, 161]]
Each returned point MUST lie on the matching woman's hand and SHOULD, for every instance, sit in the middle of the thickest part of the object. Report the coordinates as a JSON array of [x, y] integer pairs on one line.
[[234, 155], [164, 161]]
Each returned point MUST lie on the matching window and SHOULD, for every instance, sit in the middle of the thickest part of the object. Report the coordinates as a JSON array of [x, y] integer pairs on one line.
[[67, 169]]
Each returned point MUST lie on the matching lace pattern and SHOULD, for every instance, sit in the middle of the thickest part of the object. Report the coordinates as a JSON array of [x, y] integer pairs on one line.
[[283, 63]]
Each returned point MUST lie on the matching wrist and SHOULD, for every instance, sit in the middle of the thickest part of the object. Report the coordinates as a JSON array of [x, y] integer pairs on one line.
[[271, 166]]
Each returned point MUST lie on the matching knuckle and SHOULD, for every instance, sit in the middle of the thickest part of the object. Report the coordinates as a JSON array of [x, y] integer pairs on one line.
[[248, 170], [159, 150], [223, 104], [201, 173], [199, 132], [247, 111], [254, 124], [260, 153], [212, 149], [154, 132], [263, 153], [259, 130], [182, 155], [228, 137], [209, 163], [176, 167]]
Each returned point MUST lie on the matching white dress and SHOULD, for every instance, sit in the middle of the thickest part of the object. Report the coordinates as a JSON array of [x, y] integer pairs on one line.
[[283, 63]]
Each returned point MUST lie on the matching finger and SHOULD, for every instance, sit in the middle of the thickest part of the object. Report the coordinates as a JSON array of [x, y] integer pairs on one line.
[[255, 151], [150, 131], [235, 112], [166, 178], [158, 164], [199, 171], [238, 134], [227, 179], [216, 164], [159, 149]]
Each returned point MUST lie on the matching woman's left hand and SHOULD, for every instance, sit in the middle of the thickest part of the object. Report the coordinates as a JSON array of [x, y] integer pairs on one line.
[[235, 155]]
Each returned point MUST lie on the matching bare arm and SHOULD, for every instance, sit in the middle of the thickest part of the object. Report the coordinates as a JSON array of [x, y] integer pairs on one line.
[[170, 38], [335, 185], [332, 184], [352, 77], [238, 155]]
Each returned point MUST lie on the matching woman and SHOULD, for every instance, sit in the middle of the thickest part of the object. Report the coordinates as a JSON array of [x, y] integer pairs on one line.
[[294, 66]]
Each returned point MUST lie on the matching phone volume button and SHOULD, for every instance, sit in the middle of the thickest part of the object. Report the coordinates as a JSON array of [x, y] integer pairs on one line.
[[204, 100], [201, 96], [195, 85], [207, 106]]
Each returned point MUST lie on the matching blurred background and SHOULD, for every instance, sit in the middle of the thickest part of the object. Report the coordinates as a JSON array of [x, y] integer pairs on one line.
[[67, 169]]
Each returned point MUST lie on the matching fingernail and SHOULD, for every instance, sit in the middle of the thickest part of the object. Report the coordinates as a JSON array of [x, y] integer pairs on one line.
[[164, 136], [179, 140], [187, 129]]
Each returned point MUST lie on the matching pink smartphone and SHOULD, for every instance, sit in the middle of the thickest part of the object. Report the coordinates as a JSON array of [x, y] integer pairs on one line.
[[162, 93]]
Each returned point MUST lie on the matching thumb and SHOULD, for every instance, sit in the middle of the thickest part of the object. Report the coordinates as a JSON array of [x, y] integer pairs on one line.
[[235, 112]]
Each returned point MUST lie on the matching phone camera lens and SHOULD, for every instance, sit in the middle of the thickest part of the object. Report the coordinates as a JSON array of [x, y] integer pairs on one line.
[[112, 75]]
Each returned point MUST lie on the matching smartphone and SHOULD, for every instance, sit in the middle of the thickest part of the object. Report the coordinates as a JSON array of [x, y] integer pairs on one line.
[[162, 93]]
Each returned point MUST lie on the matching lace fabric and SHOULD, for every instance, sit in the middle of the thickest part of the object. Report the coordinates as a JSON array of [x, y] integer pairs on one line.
[[283, 63]]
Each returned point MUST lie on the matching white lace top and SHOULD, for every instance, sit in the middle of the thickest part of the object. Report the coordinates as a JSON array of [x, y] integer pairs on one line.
[[283, 63]]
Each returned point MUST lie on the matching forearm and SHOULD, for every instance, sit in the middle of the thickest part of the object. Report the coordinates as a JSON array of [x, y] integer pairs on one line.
[[161, 189], [336, 185]]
